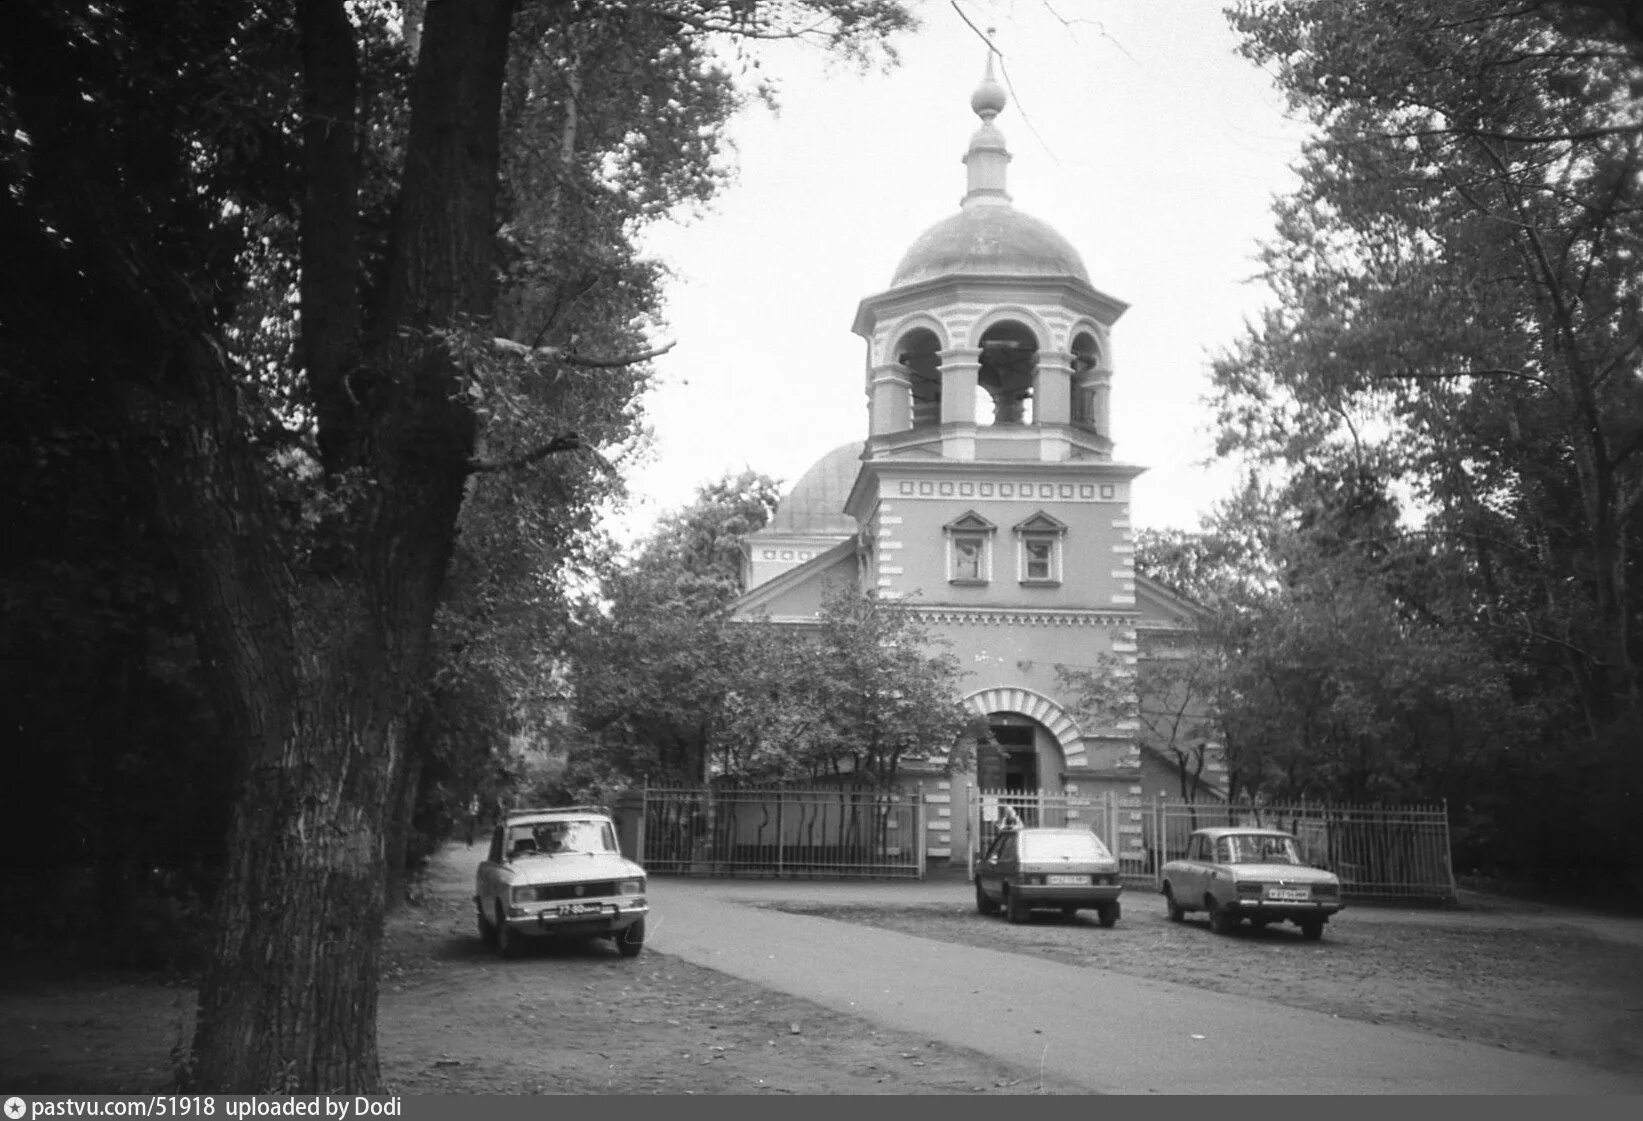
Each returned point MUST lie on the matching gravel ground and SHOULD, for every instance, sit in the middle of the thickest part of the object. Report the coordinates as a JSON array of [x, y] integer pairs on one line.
[[1561, 984]]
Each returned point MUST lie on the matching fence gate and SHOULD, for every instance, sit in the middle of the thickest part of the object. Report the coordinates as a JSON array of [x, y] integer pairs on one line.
[[771, 831], [991, 810]]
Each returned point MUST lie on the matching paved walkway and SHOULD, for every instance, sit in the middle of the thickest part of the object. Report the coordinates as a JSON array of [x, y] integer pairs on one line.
[[1045, 1015]]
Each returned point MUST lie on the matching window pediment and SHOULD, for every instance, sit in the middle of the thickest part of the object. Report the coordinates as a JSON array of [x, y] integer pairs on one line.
[[970, 522], [1042, 523]]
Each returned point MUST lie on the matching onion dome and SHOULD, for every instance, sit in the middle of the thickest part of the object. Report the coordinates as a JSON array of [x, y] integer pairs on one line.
[[988, 236]]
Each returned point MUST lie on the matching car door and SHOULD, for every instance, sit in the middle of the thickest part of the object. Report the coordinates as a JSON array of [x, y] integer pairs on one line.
[[490, 872], [1189, 879], [1009, 859], [1218, 877], [987, 868]]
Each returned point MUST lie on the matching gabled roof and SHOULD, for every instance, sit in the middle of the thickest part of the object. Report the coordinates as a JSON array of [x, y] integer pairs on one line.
[[758, 600], [1214, 784], [1167, 604]]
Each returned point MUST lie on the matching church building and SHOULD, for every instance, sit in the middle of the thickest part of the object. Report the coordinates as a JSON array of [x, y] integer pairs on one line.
[[986, 496]]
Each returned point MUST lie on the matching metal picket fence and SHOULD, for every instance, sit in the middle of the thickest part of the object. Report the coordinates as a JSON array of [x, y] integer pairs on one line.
[[782, 832], [1378, 851]]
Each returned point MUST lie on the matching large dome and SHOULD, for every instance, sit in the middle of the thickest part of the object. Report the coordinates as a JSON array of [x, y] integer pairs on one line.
[[815, 505], [989, 240]]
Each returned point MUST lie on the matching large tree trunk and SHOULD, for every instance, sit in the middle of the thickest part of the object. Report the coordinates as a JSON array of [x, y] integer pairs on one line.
[[318, 672]]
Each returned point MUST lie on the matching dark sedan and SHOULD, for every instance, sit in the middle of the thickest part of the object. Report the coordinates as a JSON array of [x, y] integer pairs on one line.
[[1053, 869]]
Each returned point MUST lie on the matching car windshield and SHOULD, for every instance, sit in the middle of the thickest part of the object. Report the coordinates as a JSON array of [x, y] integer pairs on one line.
[[1264, 849], [1063, 846], [551, 838]]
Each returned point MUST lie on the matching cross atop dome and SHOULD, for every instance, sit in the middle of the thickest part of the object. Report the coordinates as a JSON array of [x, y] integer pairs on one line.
[[987, 157]]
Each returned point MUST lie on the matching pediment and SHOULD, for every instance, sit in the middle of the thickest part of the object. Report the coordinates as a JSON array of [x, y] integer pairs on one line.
[[1041, 523], [970, 522]]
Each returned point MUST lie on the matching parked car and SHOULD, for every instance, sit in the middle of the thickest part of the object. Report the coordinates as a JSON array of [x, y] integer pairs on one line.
[[559, 873], [1064, 869], [1237, 873]]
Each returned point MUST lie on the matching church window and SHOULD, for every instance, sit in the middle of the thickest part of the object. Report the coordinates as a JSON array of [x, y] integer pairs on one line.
[[969, 549], [1039, 554], [1038, 549]]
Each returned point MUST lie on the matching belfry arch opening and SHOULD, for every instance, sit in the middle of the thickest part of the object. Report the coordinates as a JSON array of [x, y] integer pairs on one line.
[[1086, 356], [1009, 363], [919, 353]]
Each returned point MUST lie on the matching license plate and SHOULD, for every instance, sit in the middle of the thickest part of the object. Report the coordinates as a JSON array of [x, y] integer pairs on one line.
[[1064, 878], [581, 908], [1289, 894]]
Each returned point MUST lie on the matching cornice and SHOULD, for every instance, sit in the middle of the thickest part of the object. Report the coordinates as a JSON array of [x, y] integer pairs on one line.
[[1021, 617], [1070, 292], [992, 469]]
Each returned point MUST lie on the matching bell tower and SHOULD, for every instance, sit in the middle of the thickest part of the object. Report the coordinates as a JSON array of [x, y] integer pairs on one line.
[[989, 376]]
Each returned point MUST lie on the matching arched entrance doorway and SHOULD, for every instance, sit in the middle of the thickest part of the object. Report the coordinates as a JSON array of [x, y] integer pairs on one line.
[[1023, 761], [1016, 743]]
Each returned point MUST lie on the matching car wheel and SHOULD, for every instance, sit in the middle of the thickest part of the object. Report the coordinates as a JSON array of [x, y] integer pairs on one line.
[[630, 941], [508, 944], [1220, 921], [1015, 908], [984, 904], [1174, 908], [487, 932], [1312, 930], [1109, 913]]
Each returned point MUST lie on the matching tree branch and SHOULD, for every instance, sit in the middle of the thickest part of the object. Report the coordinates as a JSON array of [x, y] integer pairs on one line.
[[559, 354], [566, 442], [1446, 375], [750, 29], [1516, 137]]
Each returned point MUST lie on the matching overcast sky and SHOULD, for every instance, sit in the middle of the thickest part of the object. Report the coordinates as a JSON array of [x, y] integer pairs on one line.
[[1136, 132]]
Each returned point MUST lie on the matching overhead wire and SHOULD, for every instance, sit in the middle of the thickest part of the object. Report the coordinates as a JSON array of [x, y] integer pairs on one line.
[[1004, 71]]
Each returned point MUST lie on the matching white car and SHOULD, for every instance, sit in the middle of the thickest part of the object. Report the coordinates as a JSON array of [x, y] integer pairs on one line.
[[559, 873], [1237, 873]]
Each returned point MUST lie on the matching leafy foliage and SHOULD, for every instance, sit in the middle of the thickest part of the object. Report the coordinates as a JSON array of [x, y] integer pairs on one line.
[[670, 688], [1458, 321], [260, 241], [651, 660], [883, 692]]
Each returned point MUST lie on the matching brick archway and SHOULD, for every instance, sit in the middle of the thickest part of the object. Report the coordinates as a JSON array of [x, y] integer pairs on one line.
[[1058, 720]]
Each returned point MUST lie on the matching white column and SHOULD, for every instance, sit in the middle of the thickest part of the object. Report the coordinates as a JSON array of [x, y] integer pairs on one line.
[[959, 369], [890, 393], [1103, 401], [1052, 388]]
